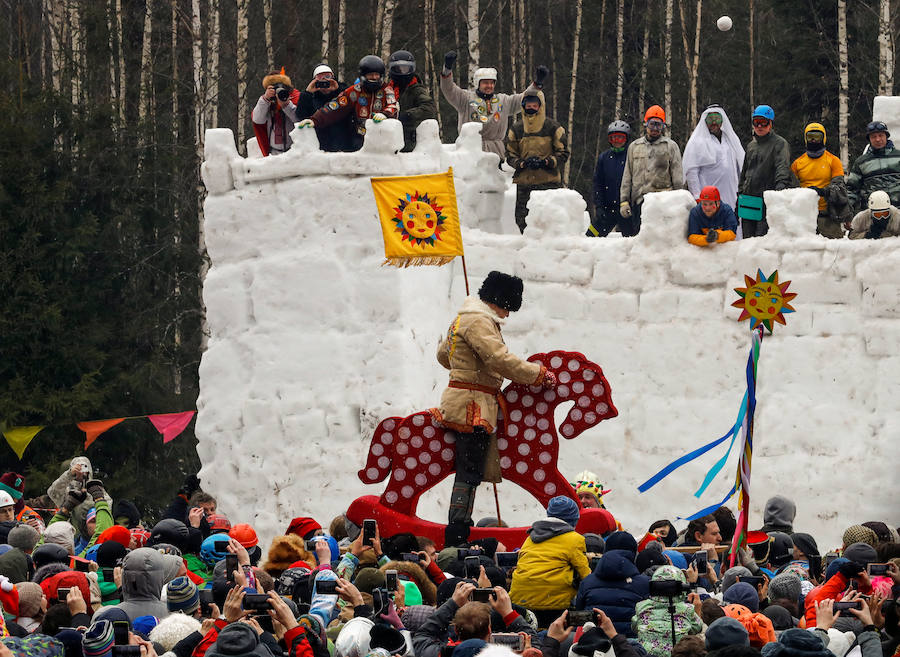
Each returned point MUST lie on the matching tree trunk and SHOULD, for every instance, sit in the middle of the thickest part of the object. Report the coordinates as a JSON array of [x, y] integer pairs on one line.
[[751, 30], [111, 29], [885, 50], [691, 62], [76, 49], [120, 56], [341, 37], [472, 25], [54, 20], [430, 38], [212, 66], [620, 56], [267, 18], [379, 24], [575, 53], [175, 113], [844, 84], [520, 53], [667, 55], [146, 63], [387, 28], [326, 29], [552, 56], [601, 133], [642, 87], [199, 94], [243, 7]]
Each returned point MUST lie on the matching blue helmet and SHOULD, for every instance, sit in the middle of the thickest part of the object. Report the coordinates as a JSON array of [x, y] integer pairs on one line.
[[208, 549], [765, 112]]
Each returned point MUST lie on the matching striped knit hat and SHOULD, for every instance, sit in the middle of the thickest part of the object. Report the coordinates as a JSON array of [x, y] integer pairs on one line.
[[98, 639], [140, 536], [91, 514], [182, 595]]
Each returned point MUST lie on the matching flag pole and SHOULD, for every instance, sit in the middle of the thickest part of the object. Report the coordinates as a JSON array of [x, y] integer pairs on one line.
[[496, 495]]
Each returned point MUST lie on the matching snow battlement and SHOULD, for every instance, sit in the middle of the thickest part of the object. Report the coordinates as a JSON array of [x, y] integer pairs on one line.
[[312, 342]]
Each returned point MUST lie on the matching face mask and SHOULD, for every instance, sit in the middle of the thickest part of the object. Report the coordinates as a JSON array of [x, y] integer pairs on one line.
[[530, 111], [371, 86]]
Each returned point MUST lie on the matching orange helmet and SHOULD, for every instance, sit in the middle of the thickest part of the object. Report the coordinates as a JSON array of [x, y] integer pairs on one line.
[[709, 193], [218, 523], [244, 534], [655, 112]]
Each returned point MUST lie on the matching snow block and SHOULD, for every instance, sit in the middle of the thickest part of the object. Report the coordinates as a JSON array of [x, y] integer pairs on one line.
[[817, 289], [616, 307], [881, 301], [555, 212], [218, 153], [532, 263], [881, 336], [881, 268], [791, 212]]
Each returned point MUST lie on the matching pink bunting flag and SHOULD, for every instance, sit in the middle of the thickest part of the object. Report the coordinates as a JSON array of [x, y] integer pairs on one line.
[[170, 425]]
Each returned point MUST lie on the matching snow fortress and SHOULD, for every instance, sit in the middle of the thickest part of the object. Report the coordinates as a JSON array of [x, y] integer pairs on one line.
[[312, 342]]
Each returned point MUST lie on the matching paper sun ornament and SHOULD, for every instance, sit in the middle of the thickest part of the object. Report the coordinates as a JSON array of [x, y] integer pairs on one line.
[[764, 300]]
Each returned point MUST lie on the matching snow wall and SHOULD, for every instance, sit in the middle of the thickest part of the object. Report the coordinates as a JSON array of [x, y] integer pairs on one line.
[[312, 341]]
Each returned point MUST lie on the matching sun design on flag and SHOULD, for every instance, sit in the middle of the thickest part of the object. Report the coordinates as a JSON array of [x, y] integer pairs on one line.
[[763, 300], [419, 219]]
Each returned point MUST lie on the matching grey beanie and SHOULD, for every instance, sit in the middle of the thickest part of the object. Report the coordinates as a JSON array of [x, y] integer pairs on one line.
[[785, 585], [726, 631], [861, 553], [23, 537], [731, 575]]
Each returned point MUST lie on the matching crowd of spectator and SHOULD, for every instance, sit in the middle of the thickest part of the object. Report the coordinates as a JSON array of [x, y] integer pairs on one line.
[[96, 581]]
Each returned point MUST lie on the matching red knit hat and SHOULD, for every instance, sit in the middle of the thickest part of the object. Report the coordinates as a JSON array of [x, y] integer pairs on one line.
[[116, 533], [303, 527]]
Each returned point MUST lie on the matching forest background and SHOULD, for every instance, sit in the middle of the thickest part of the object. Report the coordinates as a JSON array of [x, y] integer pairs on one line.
[[104, 106]]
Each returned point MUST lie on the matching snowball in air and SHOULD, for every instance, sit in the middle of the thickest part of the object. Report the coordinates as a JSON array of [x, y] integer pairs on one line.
[[724, 23]]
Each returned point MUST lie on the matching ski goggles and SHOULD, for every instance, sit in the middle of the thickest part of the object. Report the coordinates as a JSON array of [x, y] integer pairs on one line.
[[713, 118], [760, 123], [655, 124], [881, 214]]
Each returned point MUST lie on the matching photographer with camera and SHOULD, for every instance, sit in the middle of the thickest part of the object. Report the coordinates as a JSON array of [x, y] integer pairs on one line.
[[322, 89], [275, 114]]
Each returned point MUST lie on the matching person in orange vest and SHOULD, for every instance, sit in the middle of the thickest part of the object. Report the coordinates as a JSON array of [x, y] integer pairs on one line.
[[711, 221], [14, 484]]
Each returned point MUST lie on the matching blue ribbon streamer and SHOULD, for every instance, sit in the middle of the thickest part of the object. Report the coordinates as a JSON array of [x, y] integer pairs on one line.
[[711, 507], [687, 458], [718, 465]]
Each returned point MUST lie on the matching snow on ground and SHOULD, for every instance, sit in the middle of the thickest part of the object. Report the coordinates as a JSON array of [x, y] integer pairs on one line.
[[312, 342]]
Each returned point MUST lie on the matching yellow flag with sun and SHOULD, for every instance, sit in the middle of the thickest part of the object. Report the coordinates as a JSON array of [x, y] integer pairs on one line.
[[419, 219]]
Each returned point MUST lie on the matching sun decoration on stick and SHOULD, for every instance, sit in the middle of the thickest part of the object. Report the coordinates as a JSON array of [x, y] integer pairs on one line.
[[419, 219], [763, 300]]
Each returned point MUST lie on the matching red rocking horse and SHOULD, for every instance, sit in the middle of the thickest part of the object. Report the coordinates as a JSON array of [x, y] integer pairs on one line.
[[418, 453]]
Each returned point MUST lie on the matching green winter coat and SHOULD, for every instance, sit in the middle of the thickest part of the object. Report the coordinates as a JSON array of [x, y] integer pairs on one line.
[[102, 522], [416, 105], [197, 566], [767, 166], [109, 592], [875, 170]]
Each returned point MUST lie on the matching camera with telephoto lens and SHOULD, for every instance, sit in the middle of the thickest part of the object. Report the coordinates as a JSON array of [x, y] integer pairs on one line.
[[283, 91], [668, 588]]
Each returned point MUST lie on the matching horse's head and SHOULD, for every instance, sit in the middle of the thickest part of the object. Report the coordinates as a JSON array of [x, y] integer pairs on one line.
[[581, 381]]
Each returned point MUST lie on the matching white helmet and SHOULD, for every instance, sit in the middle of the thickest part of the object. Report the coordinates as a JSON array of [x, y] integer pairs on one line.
[[6, 499], [484, 74], [879, 200]]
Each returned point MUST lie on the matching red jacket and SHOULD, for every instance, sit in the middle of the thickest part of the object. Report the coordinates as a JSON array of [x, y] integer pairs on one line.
[[832, 589]]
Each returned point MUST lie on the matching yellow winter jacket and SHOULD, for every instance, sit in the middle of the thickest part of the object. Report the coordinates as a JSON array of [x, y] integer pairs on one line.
[[552, 562], [817, 171]]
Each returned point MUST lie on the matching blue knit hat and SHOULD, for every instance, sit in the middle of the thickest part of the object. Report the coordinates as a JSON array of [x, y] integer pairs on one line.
[[742, 593], [98, 639], [564, 508]]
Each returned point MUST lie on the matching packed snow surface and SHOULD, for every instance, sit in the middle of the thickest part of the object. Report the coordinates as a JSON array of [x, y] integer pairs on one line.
[[312, 341]]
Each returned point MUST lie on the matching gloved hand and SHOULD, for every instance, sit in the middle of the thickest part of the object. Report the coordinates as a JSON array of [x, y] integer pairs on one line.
[[850, 569], [548, 163], [378, 117], [625, 209], [540, 74], [306, 123], [190, 485], [95, 489], [73, 499], [390, 615], [877, 228], [450, 59], [712, 236], [549, 380], [818, 190], [533, 162]]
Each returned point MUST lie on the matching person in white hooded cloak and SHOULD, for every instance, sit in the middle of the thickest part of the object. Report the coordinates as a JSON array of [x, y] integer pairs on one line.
[[713, 156]]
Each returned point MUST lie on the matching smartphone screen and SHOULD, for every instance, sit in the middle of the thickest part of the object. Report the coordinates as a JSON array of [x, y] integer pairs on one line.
[[120, 633], [231, 564], [390, 580], [368, 531], [473, 567]]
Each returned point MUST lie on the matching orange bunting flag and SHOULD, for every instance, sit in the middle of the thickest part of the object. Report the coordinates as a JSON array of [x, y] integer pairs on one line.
[[19, 438], [170, 425], [93, 429]]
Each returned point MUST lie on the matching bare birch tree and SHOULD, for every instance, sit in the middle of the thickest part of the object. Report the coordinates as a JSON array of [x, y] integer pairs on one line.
[[199, 94], [175, 113], [843, 74], [575, 52], [146, 63], [645, 55], [552, 56], [691, 60], [667, 55], [111, 29], [243, 7], [620, 56], [342, 37], [520, 54], [211, 98], [751, 29], [379, 24], [52, 12], [267, 19], [430, 39], [120, 57], [885, 50], [326, 29], [387, 28], [472, 32], [76, 49]]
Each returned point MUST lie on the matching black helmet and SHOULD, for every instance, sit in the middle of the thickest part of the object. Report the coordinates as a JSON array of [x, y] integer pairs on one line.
[[877, 126], [402, 66], [371, 64]]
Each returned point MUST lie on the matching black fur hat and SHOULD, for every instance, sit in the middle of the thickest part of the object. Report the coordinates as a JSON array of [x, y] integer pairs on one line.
[[502, 290]]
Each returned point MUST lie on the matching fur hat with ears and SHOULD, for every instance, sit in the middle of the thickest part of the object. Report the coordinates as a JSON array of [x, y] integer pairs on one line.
[[274, 78], [502, 290], [284, 551]]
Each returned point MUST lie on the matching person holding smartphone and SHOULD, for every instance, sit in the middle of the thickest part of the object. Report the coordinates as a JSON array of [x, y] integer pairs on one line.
[[322, 89]]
